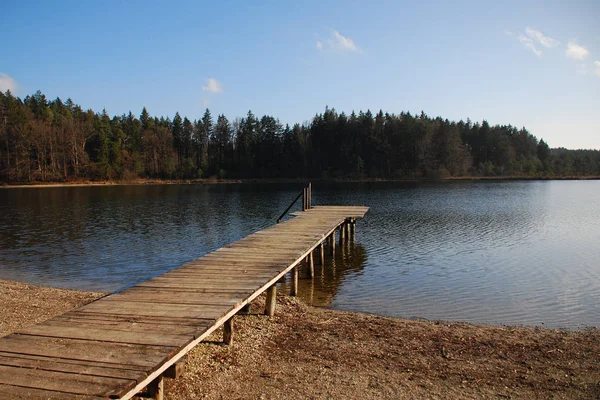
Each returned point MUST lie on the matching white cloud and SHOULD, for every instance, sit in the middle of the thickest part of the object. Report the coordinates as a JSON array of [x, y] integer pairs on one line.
[[528, 43], [341, 42], [597, 70], [7, 83], [338, 42], [576, 51], [545, 41], [533, 38], [212, 86]]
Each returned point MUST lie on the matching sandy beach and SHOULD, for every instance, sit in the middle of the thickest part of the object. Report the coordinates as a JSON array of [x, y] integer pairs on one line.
[[309, 352]]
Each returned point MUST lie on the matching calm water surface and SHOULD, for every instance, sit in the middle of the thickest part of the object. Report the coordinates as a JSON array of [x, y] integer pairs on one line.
[[494, 252]]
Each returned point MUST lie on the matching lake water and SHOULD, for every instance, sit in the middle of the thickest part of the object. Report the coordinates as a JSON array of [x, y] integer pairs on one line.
[[492, 252]]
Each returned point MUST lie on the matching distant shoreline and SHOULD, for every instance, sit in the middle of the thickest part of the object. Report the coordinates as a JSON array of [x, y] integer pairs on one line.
[[141, 182]]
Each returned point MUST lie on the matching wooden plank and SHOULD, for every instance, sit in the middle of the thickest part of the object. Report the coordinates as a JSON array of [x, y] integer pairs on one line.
[[205, 281], [27, 393], [196, 294], [64, 382], [172, 297], [237, 265], [86, 350], [108, 335], [159, 309], [78, 364], [145, 319], [123, 325], [57, 365], [208, 277], [207, 287], [293, 243], [221, 274]]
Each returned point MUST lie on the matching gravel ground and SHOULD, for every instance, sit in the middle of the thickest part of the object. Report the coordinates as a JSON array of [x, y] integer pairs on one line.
[[24, 305], [308, 352]]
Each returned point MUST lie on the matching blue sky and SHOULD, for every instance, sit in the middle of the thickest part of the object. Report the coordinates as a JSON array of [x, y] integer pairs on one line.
[[527, 63]]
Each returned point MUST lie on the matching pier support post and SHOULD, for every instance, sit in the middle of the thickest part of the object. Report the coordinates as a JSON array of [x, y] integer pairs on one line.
[[228, 331], [332, 244], [352, 229], [245, 310], [342, 234], [271, 301], [322, 252], [176, 370], [294, 289], [311, 265], [348, 237], [156, 388]]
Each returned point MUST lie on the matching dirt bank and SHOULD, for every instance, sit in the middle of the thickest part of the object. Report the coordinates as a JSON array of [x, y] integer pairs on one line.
[[307, 352]]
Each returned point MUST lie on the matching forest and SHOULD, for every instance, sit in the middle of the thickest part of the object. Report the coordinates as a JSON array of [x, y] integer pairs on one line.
[[56, 141]]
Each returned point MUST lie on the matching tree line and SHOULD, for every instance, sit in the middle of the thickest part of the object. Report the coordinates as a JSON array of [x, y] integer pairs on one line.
[[42, 140]]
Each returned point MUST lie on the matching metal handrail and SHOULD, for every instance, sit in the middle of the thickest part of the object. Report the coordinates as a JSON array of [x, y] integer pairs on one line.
[[290, 206], [306, 194]]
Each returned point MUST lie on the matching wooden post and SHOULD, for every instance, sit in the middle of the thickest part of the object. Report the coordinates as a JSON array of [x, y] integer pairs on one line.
[[342, 234], [271, 301], [303, 199], [347, 225], [311, 265], [228, 331], [156, 388], [352, 229], [294, 289], [176, 370], [245, 310], [322, 252], [309, 196], [332, 244]]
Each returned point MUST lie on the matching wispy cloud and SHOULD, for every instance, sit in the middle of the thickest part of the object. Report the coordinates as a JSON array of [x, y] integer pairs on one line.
[[545, 41], [212, 86], [7, 83], [576, 51], [528, 43], [533, 39], [338, 42], [597, 68], [205, 102]]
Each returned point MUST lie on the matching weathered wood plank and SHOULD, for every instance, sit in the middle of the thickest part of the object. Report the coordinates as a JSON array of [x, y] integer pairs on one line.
[[157, 309], [86, 350], [57, 365], [64, 382], [173, 297], [109, 335], [28, 393]]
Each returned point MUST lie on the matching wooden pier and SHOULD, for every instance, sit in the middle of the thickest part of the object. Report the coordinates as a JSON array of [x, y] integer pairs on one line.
[[126, 342]]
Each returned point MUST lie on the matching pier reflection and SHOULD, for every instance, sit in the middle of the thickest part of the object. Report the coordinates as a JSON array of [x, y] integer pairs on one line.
[[348, 262]]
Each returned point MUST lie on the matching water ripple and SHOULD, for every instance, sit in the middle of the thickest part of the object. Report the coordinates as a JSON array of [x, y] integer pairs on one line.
[[496, 252]]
